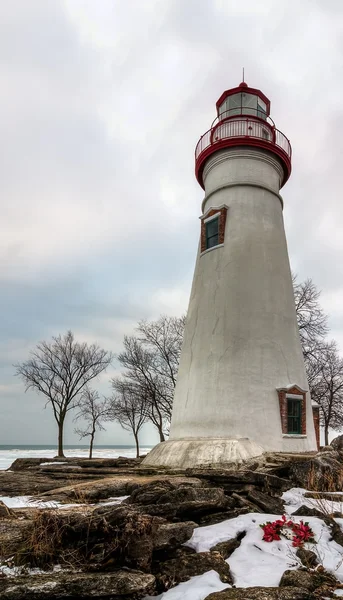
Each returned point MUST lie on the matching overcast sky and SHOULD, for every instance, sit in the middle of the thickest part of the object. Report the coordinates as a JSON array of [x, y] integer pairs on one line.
[[101, 105]]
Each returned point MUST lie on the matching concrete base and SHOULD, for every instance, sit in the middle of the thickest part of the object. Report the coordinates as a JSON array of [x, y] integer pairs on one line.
[[193, 452]]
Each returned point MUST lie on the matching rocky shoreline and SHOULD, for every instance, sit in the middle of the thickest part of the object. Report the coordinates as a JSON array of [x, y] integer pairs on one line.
[[117, 530]]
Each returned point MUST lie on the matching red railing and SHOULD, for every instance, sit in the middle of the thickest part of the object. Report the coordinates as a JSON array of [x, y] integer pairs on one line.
[[243, 127]]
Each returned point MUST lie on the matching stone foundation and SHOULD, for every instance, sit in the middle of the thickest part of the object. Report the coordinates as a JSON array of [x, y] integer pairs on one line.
[[193, 452]]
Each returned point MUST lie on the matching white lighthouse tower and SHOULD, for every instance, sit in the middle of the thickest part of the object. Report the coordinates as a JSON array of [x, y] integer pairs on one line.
[[242, 386]]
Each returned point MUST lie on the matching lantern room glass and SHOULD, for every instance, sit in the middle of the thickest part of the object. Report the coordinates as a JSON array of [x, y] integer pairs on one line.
[[243, 104]]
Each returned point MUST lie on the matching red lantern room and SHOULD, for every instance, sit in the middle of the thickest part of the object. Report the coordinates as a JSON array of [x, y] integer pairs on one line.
[[243, 120]]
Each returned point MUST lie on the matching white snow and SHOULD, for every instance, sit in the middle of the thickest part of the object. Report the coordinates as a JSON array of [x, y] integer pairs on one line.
[[111, 501], [30, 502], [295, 497], [197, 588], [49, 464], [338, 592], [15, 571], [257, 562]]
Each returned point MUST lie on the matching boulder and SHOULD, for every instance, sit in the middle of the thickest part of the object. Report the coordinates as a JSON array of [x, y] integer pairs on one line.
[[180, 569], [326, 449], [308, 558], [5, 512], [229, 479], [158, 491], [125, 584], [172, 535], [306, 511], [263, 593], [183, 502], [248, 505], [105, 539], [225, 549], [310, 580], [335, 530], [165, 554], [322, 472], [214, 518], [267, 503], [337, 443], [12, 534]]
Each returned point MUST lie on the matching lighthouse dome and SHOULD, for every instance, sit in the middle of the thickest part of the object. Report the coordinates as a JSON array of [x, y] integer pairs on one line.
[[243, 119], [243, 100]]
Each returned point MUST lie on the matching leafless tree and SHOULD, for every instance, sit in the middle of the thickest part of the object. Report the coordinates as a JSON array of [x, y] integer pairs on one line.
[[312, 321], [93, 412], [60, 370], [325, 376], [129, 408], [151, 361]]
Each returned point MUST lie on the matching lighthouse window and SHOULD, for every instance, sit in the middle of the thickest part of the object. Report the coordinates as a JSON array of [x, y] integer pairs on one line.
[[293, 416], [234, 105], [261, 109], [249, 104], [212, 233]]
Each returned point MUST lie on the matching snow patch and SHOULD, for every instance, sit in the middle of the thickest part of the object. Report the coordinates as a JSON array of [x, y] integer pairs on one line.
[[259, 563], [197, 588], [17, 571], [295, 497], [49, 464], [29, 502], [112, 501]]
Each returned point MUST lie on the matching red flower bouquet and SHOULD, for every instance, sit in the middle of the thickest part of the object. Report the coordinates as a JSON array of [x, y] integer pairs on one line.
[[299, 533]]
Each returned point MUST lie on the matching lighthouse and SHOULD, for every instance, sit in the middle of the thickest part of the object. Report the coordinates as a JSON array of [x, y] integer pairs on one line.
[[242, 387]]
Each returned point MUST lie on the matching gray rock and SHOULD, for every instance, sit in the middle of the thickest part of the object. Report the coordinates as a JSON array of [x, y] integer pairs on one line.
[[184, 502], [336, 531], [267, 503], [322, 472], [310, 580], [131, 585], [305, 511], [307, 557], [263, 593], [5, 512], [171, 535], [225, 549], [337, 443], [327, 449], [12, 534], [213, 518], [228, 479], [180, 569]]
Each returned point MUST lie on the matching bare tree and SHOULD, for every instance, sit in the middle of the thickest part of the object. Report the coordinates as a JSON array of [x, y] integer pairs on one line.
[[325, 376], [312, 321], [93, 412], [129, 408], [60, 370], [151, 361]]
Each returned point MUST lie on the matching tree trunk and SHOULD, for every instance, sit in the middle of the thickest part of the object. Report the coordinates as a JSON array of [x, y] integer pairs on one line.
[[326, 432], [60, 438], [91, 444], [162, 438], [137, 444]]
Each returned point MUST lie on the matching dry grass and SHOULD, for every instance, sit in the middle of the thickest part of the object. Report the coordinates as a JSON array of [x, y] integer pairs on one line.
[[53, 538], [324, 480], [43, 543]]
